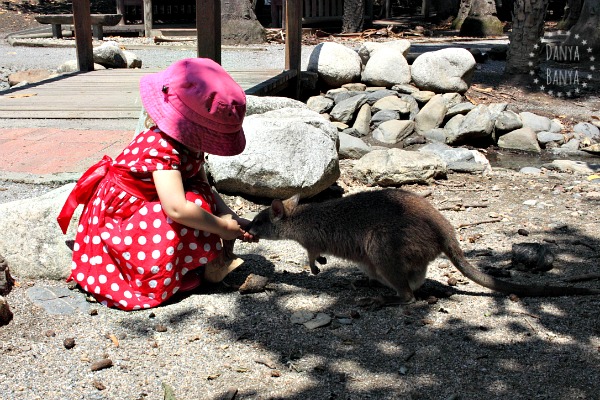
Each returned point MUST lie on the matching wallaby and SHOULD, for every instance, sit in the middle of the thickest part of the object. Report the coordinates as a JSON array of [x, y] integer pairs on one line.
[[393, 234]]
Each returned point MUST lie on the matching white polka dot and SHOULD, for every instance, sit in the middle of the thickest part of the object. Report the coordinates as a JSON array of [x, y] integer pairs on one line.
[[143, 225], [180, 246], [132, 199], [167, 282], [126, 151], [218, 246], [122, 195], [91, 280], [136, 307], [142, 240], [116, 240], [128, 240], [153, 152], [114, 287], [128, 265], [159, 166], [105, 235], [169, 220], [110, 209], [126, 255], [102, 279], [97, 290], [129, 227], [155, 269], [86, 239], [138, 283], [141, 256], [110, 268], [155, 254], [73, 265], [157, 223], [206, 234], [76, 247], [143, 210], [84, 258], [198, 202], [151, 139], [95, 220], [157, 208], [175, 289], [152, 284], [170, 251], [140, 270], [193, 246], [169, 266], [156, 239], [188, 259], [80, 277], [203, 260], [171, 234], [127, 294], [164, 295], [196, 232], [96, 240], [80, 228], [151, 296], [135, 151], [206, 247], [123, 303], [98, 260]]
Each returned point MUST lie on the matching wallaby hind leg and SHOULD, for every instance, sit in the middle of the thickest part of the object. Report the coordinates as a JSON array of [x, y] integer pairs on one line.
[[312, 257], [389, 276]]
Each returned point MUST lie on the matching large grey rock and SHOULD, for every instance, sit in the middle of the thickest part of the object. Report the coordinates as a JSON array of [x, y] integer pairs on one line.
[[392, 103], [288, 151], [110, 55], [394, 131], [373, 96], [431, 115], [576, 167], [335, 63], [363, 120], [508, 121], [442, 71], [587, 130], [460, 108], [524, 139], [453, 99], [547, 137], [395, 167], [367, 49], [263, 104], [31, 241], [477, 124], [384, 115], [352, 147], [536, 122], [386, 68], [344, 110], [133, 61], [320, 104], [72, 66], [459, 159], [413, 106]]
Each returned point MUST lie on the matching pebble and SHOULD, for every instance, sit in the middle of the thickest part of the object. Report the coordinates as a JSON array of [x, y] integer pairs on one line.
[[300, 317], [530, 202], [160, 328], [101, 364], [69, 343], [320, 320]]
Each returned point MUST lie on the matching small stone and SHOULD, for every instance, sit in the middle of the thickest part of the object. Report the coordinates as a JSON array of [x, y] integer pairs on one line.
[[354, 314], [300, 317], [151, 315], [513, 298], [160, 328], [93, 312], [101, 364], [320, 320], [50, 333], [275, 374], [431, 300], [5, 314], [254, 284], [523, 232], [530, 202], [69, 343], [403, 370], [99, 385], [452, 281]]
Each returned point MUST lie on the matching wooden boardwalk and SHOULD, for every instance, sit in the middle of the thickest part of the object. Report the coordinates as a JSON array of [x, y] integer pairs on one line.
[[109, 94]]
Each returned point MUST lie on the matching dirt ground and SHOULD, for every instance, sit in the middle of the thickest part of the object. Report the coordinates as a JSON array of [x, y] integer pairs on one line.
[[459, 341]]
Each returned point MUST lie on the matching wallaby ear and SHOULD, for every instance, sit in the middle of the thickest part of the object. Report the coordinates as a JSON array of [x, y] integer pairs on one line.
[[277, 210], [291, 203]]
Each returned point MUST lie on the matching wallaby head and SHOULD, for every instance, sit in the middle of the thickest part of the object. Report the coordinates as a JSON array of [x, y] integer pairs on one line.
[[270, 223], [391, 234]]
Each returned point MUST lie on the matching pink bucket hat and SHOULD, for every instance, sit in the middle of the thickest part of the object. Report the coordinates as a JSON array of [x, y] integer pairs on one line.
[[196, 102]]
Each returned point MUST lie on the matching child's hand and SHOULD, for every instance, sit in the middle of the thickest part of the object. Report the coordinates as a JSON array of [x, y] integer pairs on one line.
[[232, 229]]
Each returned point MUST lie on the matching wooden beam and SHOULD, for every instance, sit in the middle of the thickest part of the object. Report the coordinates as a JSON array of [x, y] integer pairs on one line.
[[208, 28], [148, 18], [293, 40], [83, 35], [121, 10]]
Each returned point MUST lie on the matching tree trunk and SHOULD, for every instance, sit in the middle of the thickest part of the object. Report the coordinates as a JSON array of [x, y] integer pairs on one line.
[[571, 14], [482, 20], [587, 29], [354, 16], [239, 24], [527, 30], [463, 13]]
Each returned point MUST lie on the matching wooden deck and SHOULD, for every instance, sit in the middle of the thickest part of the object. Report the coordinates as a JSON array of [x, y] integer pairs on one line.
[[110, 94]]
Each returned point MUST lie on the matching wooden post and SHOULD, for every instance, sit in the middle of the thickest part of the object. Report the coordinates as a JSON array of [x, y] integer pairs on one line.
[[293, 40], [148, 18], [121, 10], [83, 35], [208, 28]]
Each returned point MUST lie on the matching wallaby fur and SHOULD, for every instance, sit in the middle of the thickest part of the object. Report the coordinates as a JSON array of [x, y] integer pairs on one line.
[[392, 234]]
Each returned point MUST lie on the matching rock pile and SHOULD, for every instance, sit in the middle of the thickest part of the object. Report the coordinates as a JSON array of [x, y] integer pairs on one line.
[[381, 101]]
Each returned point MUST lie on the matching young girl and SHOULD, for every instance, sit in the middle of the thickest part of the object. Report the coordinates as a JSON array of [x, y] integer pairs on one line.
[[150, 218]]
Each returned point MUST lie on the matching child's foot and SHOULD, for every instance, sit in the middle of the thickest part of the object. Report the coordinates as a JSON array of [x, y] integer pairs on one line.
[[218, 269], [190, 281]]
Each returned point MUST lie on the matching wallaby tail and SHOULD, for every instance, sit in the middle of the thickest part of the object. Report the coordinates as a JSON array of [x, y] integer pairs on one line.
[[456, 255]]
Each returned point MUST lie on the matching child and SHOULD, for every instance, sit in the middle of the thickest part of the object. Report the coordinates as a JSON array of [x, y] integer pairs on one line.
[[150, 218]]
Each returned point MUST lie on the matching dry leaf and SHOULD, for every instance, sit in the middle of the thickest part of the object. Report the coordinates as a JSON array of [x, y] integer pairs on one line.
[[21, 95]]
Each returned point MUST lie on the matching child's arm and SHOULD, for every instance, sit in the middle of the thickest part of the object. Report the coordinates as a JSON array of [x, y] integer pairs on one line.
[[171, 194]]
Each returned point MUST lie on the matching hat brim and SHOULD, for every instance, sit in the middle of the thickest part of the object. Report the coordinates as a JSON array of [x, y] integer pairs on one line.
[[173, 123]]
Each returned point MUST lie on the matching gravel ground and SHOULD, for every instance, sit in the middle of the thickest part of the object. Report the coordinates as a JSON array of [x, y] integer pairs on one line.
[[458, 341]]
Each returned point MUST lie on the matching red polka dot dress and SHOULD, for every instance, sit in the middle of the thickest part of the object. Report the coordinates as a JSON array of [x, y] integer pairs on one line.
[[128, 254]]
